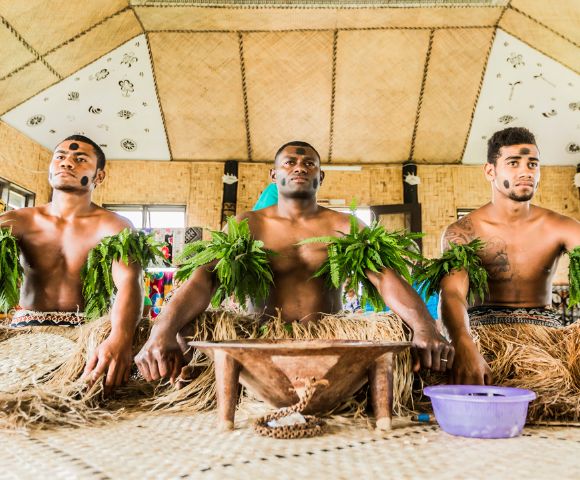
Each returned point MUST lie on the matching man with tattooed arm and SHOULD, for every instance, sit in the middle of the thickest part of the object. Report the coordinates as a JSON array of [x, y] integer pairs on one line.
[[522, 246]]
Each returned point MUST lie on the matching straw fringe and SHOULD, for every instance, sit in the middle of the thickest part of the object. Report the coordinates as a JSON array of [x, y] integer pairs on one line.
[[199, 394], [545, 360], [61, 398]]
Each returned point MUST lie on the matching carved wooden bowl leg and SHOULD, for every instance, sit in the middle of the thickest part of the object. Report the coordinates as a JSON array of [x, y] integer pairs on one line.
[[227, 374], [381, 386]]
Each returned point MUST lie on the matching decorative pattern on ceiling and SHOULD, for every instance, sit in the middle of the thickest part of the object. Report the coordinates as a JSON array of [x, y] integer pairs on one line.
[[113, 101], [524, 88]]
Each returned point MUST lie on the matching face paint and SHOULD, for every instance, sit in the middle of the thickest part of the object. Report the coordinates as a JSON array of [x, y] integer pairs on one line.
[[283, 182], [506, 184], [74, 146], [524, 151], [84, 181], [300, 151], [315, 183]]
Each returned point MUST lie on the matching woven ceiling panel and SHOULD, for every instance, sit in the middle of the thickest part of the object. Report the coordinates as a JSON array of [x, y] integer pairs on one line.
[[45, 24], [13, 53], [289, 86], [455, 69], [562, 16], [542, 39], [200, 86], [97, 42], [194, 18], [24, 84], [375, 104]]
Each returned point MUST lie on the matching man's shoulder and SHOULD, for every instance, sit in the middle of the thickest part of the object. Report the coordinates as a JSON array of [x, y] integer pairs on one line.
[[21, 218], [111, 222], [463, 230]]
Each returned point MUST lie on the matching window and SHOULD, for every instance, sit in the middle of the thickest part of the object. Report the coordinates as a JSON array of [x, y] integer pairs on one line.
[[13, 197], [362, 213], [152, 216], [461, 212]]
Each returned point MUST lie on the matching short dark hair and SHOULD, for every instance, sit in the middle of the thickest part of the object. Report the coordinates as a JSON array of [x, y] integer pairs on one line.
[[295, 143], [505, 138], [101, 160]]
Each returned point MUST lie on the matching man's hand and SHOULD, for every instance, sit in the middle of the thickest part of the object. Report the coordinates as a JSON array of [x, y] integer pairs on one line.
[[470, 367], [113, 357], [431, 350], [160, 357]]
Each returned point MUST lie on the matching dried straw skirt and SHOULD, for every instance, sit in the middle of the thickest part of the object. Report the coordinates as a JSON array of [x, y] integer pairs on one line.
[[56, 396]]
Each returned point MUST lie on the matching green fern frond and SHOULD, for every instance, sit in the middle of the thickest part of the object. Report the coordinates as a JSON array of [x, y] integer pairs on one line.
[[97, 272], [372, 248], [428, 274], [574, 277], [242, 264], [10, 270]]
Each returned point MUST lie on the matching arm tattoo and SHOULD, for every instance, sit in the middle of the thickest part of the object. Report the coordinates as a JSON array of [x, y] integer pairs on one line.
[[460, 232]]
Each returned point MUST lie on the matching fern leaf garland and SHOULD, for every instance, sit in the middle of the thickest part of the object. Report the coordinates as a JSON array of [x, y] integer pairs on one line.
[[97, 272], [370, 248], [10, 270], [574, 277], [428, 275], [242, 266]]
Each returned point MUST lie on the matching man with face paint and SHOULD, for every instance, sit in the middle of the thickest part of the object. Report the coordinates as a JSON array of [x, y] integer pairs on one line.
[[523, 244], [55, 240], [297, 295]]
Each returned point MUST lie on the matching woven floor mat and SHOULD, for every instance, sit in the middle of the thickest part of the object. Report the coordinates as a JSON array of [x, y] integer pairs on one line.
[[25, 359], [190, 446]]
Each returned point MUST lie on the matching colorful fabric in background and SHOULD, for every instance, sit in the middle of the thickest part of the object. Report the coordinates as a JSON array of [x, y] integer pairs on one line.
[[157, 287], [268, 197]]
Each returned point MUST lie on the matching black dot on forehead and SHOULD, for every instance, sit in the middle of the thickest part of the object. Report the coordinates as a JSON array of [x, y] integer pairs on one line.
[[300, 151], [524, 151], [74, 146]]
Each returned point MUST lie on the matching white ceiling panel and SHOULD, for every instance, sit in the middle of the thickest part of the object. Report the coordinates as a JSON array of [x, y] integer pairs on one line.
[[524, 88], [113, 101]]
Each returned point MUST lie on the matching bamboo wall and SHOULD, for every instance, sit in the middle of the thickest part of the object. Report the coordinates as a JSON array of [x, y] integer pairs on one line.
[[197, 185], [24, 162]]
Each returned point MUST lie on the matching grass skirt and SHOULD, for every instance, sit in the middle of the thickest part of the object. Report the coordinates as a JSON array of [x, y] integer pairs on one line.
[[59, 397]]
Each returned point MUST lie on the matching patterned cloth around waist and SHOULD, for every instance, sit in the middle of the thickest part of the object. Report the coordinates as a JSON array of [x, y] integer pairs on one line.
[[493, 315], [30, 318]]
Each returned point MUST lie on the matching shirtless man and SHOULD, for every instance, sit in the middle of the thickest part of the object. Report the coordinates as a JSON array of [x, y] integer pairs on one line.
[[523, 243], [300, 297], [55, 240]]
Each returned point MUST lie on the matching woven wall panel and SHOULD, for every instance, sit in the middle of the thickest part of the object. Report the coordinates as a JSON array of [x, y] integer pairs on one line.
[[186, 18], [563, 16], [289, 78], [24, 162], [13, 53], [200, 86], [455, 69], [437, 198], [253, 179], [45, 24], [196, 185], [24, 84], [99, 41], [541, 39], [375, 104]]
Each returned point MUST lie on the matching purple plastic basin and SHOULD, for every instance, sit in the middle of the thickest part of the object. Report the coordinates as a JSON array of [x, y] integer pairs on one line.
[[480, 411]]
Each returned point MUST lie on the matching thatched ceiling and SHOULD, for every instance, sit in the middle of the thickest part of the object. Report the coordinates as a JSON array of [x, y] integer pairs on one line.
[[364, 81]]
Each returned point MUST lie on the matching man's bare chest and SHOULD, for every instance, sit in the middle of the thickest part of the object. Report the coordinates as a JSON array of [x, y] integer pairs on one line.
[[512, 255], [54, 249]]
